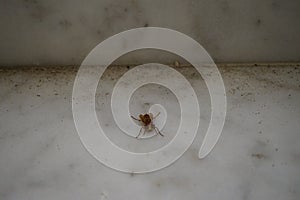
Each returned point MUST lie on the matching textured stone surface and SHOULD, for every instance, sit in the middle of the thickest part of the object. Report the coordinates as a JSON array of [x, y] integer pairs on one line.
[[257, 156], [42, 32]]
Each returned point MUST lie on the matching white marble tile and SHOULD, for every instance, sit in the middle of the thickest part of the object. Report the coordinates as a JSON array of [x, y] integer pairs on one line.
[[257, 156]]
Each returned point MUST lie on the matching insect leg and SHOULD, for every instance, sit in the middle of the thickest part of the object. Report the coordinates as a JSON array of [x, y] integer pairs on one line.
[[156, 115], [157, 131], [135, 118], [139, 132], [144, 132]]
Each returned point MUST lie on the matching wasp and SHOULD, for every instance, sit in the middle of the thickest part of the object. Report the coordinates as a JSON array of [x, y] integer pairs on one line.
[[147, 123]]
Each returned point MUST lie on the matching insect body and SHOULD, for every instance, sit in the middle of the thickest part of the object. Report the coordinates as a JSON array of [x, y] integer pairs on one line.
[[147, 123]]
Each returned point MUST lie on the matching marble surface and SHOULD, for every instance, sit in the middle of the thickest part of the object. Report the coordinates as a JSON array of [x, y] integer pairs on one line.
[[257, 156], [231, 30]]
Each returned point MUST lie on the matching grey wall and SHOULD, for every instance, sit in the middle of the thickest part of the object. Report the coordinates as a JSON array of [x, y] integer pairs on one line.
[[44, 32]]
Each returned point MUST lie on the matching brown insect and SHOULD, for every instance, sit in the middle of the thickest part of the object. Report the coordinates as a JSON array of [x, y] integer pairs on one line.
[[147, 123]]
